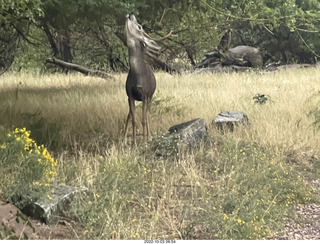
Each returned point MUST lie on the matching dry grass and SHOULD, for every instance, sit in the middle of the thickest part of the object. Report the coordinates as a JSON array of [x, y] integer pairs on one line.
[[83, 102], [244, 186]]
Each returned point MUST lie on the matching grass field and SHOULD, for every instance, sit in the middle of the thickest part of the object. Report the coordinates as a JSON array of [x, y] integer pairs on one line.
[[244, 185]]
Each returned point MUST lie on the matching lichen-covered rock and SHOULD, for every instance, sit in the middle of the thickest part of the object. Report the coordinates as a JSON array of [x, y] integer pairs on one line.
[[55, 204], [227, 120], [187, 135], [191, 132]]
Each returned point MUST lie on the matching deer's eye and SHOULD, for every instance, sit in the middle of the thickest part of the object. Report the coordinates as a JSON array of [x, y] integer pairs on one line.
[[139, 27]]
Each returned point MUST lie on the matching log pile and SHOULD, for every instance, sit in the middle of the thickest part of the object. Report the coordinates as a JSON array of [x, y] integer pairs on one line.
[[223, 58]]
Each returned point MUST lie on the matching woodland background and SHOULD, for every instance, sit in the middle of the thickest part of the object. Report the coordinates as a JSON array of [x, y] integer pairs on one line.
[[91, 33], [241, 185]]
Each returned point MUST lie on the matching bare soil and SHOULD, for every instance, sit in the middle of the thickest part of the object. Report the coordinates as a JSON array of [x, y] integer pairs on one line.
[[306, 224]]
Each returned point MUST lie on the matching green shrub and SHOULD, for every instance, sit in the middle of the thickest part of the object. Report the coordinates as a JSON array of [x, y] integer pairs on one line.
[[260, 98], [26, 168]]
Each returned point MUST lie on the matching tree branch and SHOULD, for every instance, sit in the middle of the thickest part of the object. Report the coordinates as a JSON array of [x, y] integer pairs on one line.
[[79, 68]]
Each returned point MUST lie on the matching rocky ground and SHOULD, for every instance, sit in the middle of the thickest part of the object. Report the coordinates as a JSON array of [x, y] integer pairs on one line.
[[63, 230], [305, 225], [15, 225]]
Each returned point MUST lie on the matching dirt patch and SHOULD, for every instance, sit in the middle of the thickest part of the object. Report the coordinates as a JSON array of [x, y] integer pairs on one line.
[[16, 225], [63, 230], [305, 228], [306, 224]]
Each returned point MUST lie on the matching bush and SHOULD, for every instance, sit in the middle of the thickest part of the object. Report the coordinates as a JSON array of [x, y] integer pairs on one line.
[[26, 168]]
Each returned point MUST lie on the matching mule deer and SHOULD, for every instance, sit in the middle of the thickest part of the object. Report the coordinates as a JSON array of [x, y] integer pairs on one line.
[[141, 82]]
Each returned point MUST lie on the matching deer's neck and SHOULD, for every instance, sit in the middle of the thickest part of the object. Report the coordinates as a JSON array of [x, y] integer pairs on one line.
[[136, 59]]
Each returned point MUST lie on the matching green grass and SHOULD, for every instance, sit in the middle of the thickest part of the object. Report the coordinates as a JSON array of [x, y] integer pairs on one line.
[[240, 185]]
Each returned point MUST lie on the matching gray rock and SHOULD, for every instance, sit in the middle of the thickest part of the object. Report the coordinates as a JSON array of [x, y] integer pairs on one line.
[[226, 120], [191, 132], [183, 136], [51, 207]]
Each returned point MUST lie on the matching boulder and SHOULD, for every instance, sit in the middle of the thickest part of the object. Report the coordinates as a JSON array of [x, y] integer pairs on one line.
[[54, 205], [226, 120], [187, 135], [190, 132]]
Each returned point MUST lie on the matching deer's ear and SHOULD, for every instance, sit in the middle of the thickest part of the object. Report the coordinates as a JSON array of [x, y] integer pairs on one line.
[[150, 43], [143, 45]]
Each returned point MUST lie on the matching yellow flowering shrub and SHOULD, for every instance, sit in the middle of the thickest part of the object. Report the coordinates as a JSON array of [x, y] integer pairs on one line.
[[26, 166]]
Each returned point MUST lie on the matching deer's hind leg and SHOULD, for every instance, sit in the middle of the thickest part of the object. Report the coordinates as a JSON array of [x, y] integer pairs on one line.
[[145, 121], [131, 115]]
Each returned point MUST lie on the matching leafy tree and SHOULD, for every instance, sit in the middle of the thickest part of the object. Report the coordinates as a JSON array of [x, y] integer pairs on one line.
[[92, 32], [15, 17]]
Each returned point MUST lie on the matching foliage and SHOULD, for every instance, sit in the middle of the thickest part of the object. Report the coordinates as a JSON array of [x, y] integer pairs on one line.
[[26, 167], [13, 11], [15, 19], [91, 32], [260, 98]]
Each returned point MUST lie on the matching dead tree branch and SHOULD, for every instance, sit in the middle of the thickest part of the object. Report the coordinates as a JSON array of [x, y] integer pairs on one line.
[[79, 68]]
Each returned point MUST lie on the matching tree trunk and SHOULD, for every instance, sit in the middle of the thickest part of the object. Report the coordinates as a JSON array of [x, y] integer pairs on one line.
[[8, 46], [65, 48], [50, 39]]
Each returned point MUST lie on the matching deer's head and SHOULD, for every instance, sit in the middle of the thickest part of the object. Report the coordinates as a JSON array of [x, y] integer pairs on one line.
[[136, 34]]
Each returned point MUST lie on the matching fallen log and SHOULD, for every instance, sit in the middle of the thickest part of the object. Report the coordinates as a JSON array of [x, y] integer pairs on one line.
[[243, 56], [79, 68], [238, 58]]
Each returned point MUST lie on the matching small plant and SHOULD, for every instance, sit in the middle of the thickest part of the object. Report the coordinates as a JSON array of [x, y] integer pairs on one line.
[[26, 168], [260, 98]]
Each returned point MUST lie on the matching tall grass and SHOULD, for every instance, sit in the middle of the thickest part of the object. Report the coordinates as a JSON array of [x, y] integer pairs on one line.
[[243, 185]]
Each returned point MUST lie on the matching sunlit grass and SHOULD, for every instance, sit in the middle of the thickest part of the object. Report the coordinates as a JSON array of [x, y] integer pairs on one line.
[[242, 185], [86, 104]]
